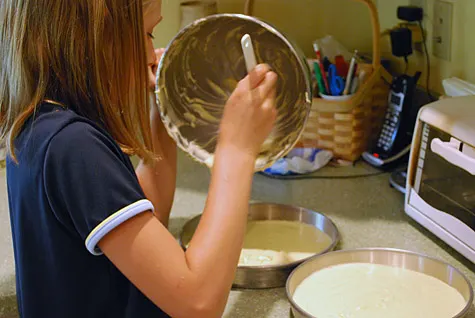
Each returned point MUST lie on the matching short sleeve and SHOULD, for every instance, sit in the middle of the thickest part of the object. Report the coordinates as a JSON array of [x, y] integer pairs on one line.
[[90, 184]]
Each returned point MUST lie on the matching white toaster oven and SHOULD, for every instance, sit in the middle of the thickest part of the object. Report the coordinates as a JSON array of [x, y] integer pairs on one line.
[[440, 189]]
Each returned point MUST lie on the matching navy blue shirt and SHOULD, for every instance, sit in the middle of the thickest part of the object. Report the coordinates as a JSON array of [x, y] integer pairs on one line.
[[72, 186]]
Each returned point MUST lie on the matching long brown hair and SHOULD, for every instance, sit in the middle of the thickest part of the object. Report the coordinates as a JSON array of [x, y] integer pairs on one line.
[[87, 55]]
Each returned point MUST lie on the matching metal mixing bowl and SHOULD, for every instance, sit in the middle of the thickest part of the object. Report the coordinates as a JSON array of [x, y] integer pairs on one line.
[[271, 276], [382, 256], [201, 68]]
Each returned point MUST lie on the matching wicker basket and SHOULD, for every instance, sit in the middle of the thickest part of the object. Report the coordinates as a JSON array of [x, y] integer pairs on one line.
[[347, 128]]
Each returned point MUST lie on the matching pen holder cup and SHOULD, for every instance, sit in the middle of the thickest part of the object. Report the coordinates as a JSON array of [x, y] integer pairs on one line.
[[349, 125], [341, 98]]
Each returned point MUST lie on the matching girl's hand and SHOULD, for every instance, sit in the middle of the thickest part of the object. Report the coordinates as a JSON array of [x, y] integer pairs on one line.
[[152, 75], [152, 69], [250, 113]]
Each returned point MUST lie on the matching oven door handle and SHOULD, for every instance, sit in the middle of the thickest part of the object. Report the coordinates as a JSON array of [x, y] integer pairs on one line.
[[449, 152]]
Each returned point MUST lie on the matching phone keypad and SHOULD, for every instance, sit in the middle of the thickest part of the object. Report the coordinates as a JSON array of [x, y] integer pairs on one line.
[[385, 140]]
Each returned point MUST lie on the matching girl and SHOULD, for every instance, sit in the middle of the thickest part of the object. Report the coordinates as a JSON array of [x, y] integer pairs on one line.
[[89, 232]]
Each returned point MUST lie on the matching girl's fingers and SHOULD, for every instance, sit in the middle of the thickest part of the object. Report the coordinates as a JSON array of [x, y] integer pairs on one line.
[[159, 53], [269, 102], [267, 86], [257, 75]]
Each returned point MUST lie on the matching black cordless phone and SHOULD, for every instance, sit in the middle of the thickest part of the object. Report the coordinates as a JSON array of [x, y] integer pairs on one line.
[[394, 141]]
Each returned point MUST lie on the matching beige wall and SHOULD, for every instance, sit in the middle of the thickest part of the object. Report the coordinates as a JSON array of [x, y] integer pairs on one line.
[[348, 21], [302, 20]]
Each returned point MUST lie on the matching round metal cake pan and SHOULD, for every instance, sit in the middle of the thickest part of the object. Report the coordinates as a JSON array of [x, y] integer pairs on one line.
[[257, 277], [200, 69], [382, 256]]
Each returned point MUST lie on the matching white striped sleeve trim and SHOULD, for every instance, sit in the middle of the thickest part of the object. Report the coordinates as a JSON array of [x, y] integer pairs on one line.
[[114, 221]]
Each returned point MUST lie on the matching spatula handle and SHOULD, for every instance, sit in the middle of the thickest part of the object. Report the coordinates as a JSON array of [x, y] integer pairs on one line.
[[248, 50]]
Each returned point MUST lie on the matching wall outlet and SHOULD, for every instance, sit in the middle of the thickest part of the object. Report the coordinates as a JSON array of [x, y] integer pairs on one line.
[[442, 32]]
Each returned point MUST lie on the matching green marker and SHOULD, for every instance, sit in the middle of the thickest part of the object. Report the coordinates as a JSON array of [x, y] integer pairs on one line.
[[319, 78]]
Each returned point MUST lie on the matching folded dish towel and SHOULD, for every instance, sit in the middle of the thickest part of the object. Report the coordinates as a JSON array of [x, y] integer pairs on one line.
[[300, 161]]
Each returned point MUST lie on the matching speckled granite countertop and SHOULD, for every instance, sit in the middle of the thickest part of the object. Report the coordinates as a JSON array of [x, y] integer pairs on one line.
[[367, 212]]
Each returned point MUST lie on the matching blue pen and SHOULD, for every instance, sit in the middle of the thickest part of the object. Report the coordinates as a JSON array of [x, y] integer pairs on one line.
[[336, 83]]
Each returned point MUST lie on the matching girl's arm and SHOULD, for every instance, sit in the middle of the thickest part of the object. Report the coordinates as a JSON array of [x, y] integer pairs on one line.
[[196, 283], [159, 181]]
